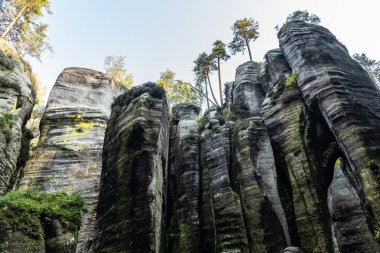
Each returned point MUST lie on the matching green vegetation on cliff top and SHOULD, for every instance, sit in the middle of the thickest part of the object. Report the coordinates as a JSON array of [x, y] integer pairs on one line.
[[28, 211]]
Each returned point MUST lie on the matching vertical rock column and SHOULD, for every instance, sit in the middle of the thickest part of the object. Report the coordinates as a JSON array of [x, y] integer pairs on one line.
[[247, 94], [349, 222], [16, 104], [130, 213], [231, 235], [184, 181], [68, 157], [264, 216], [334, 85], [284, 115]]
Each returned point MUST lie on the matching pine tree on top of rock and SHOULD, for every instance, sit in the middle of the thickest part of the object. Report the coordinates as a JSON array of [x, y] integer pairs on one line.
[[244, 30]]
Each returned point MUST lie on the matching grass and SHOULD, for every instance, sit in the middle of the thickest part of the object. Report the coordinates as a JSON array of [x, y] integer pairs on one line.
[[29, 211]]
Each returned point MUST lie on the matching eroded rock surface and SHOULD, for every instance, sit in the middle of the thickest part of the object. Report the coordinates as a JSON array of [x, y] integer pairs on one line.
[[336, 87], [16, 104], [68, 157], [264, 216], [184, 182], [131, 209], [230, 231], [301, 185], [349, 220], [248, 93]]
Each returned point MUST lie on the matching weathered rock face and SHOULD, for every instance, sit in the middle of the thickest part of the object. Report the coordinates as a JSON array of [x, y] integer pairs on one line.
[[248, 93], [265, 220], [349, 222], [335, 86], [68, 157], [184, 180], [230, 232], [259, 175], [16, 104], [132, 202], [294, 138]]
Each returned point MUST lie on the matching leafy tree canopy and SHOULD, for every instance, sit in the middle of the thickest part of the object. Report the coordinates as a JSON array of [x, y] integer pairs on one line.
[[219, 51], [19, 25], [371, 66], [177, 91], [244, 31], [115, 66], [204, 64], [303, 16]]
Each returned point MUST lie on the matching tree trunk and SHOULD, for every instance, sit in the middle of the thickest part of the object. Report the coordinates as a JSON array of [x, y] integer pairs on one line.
[[249, 50], [212, 91], [208, 102], [220, 83], [11, 25]]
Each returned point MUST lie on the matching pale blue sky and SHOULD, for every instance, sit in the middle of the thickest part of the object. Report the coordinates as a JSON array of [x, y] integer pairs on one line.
[[155, 35]]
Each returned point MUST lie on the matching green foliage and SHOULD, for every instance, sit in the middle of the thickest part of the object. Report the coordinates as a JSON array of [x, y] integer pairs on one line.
[[177, 91], [219, 51], [204, 64], [304, 16], [227, 115], [371, 66], [244, 30], [152, 88], [291, 80], [115, 66], [20, 26], [7, 119], [27, 211], [377, 235]]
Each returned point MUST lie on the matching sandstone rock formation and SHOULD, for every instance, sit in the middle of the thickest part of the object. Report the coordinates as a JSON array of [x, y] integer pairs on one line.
[[246, 87], [16, 104], [349, 222], [133, 190], [290, 163], [334, 86], [285, 115], [68, 157], [184, 180]]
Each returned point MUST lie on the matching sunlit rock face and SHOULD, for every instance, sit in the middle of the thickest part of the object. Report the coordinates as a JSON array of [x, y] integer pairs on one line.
[[334, 86], [133, 190], [295, 142], [248, 93], [16, 104], [289, 164], [68, 157], [184, 179]]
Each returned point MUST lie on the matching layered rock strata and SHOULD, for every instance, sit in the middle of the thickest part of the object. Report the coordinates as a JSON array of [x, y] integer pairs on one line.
[[230, 231], [184, 182], [301, 185], [264, 217], [131, 210], [16, 104], [246, 87], [336, 87], [68, 157], [349, 222]]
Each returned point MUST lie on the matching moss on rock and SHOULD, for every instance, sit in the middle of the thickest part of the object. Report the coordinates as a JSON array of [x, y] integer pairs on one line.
[[30, 212]]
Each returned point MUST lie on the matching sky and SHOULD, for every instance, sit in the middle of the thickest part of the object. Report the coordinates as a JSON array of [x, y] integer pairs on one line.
[[155, 35]]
